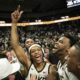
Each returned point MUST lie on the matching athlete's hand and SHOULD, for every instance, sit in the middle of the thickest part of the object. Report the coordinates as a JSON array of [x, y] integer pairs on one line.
[[15, 16]]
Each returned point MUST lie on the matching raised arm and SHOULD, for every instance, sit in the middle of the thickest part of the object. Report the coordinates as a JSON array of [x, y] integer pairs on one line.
[[20, 53]]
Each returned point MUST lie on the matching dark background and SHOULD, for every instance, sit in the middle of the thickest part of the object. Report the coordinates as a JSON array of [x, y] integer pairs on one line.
[[36, 8]]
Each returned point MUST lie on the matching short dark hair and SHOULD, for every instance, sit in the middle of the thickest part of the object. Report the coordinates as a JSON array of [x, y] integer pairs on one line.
[[3, 56], [73, 39]]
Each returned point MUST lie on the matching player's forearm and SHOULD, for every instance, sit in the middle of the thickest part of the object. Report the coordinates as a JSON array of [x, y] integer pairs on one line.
[[14, 35]]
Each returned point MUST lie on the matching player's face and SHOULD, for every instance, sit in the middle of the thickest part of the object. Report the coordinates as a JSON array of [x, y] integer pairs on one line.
[[36, 54], [61, 44], [28, 43]]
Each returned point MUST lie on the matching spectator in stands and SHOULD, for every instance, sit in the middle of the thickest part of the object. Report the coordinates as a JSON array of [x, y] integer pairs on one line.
[[28, 43], [7, 68]]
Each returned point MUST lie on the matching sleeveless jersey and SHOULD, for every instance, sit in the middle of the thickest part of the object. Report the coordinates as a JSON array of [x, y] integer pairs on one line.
[[41, 75]]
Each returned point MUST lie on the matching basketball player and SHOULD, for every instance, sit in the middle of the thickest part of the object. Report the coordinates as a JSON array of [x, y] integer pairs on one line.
[[35, 65]]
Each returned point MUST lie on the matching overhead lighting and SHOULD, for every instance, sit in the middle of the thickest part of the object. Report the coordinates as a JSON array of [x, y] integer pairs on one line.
[[2, 22], [63, 17], [66, 16]]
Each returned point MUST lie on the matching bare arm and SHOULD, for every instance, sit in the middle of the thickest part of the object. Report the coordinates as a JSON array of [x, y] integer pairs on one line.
[[52, 73], [20, 53]]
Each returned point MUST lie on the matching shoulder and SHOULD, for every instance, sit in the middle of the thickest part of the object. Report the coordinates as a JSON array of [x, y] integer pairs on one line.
[[52, 73], [52, 68]]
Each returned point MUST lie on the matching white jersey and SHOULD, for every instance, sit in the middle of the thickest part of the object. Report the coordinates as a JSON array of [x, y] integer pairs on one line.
[[41, 75], [64, 74]]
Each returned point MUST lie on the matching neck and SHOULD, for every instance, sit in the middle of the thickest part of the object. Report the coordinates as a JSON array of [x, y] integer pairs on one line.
[[39, 66], [62, 56]]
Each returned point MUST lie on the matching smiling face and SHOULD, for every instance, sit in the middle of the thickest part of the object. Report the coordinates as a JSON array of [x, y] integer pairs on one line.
[[36, 54], [62, 44]]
